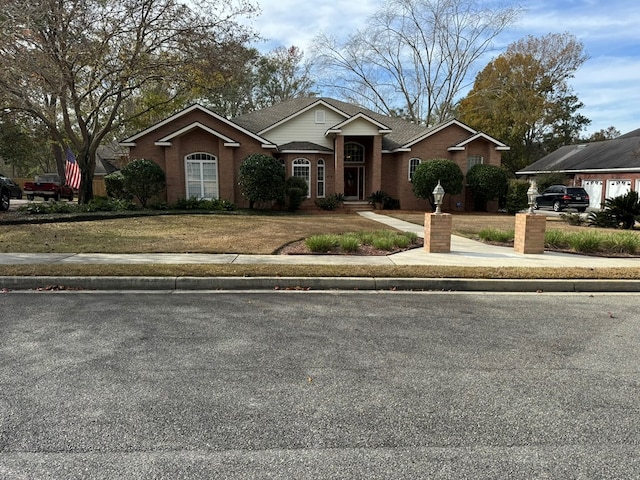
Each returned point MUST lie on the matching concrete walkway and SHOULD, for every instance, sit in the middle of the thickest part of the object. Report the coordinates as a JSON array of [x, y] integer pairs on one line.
[[464, 252]]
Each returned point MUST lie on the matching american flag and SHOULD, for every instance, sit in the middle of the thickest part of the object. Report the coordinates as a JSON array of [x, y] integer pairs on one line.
[[71, 170]]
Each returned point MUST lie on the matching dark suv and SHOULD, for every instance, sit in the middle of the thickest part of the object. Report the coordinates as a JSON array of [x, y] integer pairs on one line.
[[560, 197]]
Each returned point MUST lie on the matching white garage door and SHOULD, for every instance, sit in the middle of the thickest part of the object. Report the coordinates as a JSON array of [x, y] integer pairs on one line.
[[594, 189], [616, 188]]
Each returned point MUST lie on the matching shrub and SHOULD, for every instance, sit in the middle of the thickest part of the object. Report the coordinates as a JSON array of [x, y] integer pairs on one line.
[[391, 203], [378, 198], [601, 219], [261, 179], [114, 183], [48, 207], [331, 202], [104, 204], [517, 196], [572, 219], [143, 179], [624, 208], [487, 182], [297, 190], [428, 173], [202, 204], [623, 242]]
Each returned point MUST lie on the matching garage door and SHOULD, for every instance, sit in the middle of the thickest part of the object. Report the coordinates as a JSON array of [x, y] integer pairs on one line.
[[616, 188], [594, 189]]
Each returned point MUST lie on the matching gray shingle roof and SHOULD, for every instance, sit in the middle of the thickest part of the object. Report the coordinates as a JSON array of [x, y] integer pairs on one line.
[[304, 146], [618, 154], [402, 131]]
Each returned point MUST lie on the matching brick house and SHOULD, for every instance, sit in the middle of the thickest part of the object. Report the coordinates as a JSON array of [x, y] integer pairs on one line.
[[336, 146], [605, 169]]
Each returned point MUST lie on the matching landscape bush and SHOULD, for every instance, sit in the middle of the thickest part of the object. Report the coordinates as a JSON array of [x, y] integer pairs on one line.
[[297, 190], [618, 212], [428, 173], [262, 179], [517, 196], [332, 202], [143, 179]]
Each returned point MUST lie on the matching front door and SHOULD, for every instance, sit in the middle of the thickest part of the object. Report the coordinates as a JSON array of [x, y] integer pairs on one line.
[[354, 183]]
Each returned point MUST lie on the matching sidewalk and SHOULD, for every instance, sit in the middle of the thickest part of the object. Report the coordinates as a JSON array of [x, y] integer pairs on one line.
[[464, 253]]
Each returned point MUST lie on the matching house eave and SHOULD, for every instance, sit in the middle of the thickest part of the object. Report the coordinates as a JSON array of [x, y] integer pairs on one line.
[[581, 170]]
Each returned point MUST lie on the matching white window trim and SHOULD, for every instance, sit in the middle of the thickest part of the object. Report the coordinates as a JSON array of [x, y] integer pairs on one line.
[[412, 171], [303, 162], [321, 180], [211, 159]]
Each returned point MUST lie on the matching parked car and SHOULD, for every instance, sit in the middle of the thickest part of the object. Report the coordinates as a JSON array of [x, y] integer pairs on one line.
[[559, 197], [14, 189], [5, 195]]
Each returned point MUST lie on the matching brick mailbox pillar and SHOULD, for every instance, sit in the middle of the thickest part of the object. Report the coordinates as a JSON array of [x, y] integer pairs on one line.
[[437, 232], [529, 233]]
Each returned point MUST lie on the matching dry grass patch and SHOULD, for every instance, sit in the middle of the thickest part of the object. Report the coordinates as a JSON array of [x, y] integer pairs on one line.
[[249, 234], [266, 270]]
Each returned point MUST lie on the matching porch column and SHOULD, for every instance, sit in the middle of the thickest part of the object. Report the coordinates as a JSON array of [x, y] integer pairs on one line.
[[376, 167], [339, 164]]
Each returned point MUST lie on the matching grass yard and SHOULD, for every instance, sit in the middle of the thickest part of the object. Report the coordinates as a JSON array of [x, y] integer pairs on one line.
[[251, 234], [247, 234]]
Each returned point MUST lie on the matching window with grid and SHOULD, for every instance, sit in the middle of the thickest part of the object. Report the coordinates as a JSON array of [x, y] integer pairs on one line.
[[353, 152], [302, 169], [201, 172], [320, 178], [413, 164], [473, 160]]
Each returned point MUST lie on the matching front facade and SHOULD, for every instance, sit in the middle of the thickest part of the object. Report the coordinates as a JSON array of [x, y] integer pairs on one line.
[[605, 169], [335, 146]]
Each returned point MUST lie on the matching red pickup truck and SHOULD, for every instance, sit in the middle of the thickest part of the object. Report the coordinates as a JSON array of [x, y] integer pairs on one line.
[[47, 186]]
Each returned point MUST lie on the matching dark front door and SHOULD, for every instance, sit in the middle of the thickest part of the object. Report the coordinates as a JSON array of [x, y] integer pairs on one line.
[[353, 182]]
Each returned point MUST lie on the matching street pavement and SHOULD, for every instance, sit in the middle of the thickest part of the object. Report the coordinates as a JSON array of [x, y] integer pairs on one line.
[[319, 385], [464, 253]]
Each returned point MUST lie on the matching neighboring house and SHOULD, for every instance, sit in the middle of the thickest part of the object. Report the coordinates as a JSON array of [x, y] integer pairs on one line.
[[335, 146], [604, 169]]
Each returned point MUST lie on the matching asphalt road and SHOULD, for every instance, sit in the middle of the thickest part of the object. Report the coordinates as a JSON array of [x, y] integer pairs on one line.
[[310, 385]]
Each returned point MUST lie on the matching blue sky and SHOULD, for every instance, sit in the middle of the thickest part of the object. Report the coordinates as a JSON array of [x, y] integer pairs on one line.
[[608, 83]]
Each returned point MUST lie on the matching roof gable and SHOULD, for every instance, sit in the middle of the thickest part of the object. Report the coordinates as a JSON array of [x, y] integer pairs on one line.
[[131, 141], [166, 140], [382, 129]]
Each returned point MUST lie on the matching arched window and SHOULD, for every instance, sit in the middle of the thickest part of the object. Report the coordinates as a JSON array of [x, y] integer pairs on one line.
[[320, 178], [353, 152], [302, 169], [201, 175], [413, 164]]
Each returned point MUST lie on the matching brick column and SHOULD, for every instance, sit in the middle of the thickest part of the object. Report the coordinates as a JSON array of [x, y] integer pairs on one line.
[[376, 170], [529, 233], [437, 232]]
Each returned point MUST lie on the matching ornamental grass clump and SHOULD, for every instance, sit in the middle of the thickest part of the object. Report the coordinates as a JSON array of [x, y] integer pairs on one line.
[[495, 235], [349, 243], [322, 243]]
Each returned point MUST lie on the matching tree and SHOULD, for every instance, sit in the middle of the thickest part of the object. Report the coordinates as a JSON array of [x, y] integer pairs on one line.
[[73, 64], [487, 182], [413, 57], [282, 75], [262, 179], [603, 134], [523, 98], [25, 145], [428, 173], [143, 179], [257, 81]]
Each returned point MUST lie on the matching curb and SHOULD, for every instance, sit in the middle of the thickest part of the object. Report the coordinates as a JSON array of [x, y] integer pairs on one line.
[[316, 283]]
